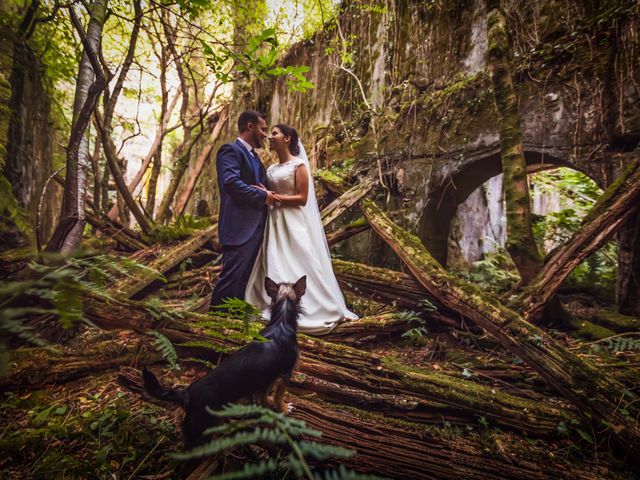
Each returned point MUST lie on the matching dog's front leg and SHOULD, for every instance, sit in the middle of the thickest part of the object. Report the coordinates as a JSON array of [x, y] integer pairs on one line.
[[280, 386], [261, 397]]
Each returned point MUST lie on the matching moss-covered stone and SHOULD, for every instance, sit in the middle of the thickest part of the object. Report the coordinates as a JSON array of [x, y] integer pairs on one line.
[[590, 331], [616, 321]]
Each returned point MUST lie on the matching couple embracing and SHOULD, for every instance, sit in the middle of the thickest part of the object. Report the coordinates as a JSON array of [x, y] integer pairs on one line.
[[269, 225]]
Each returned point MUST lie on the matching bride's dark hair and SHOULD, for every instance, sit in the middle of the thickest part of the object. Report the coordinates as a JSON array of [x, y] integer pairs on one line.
[[290, 132]]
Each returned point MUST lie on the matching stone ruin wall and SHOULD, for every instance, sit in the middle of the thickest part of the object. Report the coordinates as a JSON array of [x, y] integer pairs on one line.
[[407, 85]]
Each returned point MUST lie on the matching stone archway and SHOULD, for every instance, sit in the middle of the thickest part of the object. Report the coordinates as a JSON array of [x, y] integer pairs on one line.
[[442, 202]]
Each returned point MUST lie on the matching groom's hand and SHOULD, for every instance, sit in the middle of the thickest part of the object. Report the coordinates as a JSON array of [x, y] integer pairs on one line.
[[271, 198]]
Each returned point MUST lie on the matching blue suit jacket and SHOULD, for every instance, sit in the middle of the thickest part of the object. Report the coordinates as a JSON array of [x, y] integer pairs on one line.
[[242, 207]]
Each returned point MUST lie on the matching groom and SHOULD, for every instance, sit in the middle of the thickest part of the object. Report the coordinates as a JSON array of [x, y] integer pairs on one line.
[[243, 206]]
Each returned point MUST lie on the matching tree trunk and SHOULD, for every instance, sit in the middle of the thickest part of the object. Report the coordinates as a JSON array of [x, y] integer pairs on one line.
[[165, 114], [628, 275], [520, 242], [114, 167], [68, 234], [185, 195], [97, 178], [619, 203], [184, 150], [595, 395]]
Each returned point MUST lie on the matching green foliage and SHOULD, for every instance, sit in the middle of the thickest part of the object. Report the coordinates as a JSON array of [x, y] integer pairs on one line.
[[495, 272], [618, 344], [159, 312], [182, 228], [284, 444], [578, 193], [206, 363], [56, 286], [194, 8], [10, 211], [92, 435], [238, 309], [258, 59], [164, 346]]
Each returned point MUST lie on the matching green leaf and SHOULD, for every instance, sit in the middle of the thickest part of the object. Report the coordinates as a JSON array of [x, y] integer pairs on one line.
[[164, 346], [585, 435]]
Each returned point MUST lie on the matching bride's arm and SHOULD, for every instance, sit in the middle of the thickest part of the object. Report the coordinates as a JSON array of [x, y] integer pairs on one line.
[[299, 199]]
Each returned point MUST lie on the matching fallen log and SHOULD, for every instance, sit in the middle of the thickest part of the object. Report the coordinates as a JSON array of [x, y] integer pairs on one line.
[[595, 394], [345, 201], [392, 287], [404, 449], [377, 328], [386, 385], [384, 284], [166, 260], [119, 233], [342, 366], [347, 231], [618, 204], [33, 368]]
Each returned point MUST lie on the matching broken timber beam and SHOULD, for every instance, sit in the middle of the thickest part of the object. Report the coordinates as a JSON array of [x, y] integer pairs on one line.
[[430, 395], [33, 368], [110, 228], [167, 259], [347, 231], [591, 391], [345, 201], [619, 203], [408, 450], [403, 449]]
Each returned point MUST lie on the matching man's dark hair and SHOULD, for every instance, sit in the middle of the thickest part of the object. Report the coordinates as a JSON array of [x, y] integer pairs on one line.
[[247, 117], [290, 132]]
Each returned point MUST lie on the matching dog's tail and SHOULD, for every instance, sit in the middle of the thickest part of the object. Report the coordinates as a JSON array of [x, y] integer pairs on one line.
[[153, 388]]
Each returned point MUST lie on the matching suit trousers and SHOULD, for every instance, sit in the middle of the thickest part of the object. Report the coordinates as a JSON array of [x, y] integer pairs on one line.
[[237, 263]]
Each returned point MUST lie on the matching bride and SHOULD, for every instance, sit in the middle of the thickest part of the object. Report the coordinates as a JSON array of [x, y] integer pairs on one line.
[[294, 242]]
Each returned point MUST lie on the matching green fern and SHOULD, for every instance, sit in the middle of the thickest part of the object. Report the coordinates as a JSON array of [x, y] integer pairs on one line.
[[155, 307], [622, 344], [239, 309], [57, 285], [204, 362], [254, 425], [164, 346]]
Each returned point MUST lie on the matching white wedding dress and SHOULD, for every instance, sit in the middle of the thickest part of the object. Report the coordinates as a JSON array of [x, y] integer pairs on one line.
[[295, 245]]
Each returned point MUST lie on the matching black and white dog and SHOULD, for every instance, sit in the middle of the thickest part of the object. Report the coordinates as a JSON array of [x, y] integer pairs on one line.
[[253, 370]]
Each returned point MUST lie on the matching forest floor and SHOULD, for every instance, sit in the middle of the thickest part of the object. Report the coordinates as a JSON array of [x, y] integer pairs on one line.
[[83, 424]]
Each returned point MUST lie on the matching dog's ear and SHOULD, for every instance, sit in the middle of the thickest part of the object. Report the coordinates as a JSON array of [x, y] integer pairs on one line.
[[300, 286], [271, 287]]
